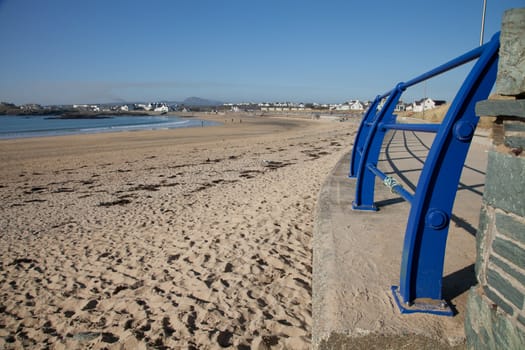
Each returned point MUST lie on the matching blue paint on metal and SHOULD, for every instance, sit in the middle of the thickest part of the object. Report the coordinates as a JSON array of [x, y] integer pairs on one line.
[[364, 197], [434, 128], [437, 219], [464, 130], [362, 135], [431, 205], [424, 245], [434, 307]]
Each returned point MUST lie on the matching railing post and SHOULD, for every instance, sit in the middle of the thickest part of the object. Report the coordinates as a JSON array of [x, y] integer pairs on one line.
[[364, 196], [429, 218], [362, 134]]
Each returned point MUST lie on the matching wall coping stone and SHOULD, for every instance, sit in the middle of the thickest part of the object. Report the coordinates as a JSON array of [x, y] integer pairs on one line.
[[495, 108]]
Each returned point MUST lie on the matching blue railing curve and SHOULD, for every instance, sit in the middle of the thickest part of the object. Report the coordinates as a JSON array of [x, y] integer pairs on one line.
[[431, 205]]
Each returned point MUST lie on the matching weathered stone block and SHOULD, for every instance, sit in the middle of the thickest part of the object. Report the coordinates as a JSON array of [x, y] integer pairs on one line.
[[486, 336], [484, 221], [504, 185], [496, 108], [499, 302], [511, 66], [474, 322], [500, 338], [488, 328], [514, 125], [498, 132], [510, 251], [509, 226], [503, 286], [520, 338], [514, 133], [515, 141], [520, 277], [506, 334], [521, 319], [481, 241]]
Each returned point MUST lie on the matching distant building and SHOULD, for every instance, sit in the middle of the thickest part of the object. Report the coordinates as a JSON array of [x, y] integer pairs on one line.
[[340, 107], [426, 104], [280, 106], [400, 106], [161, 107], [142, 106], [155, 107], [92, 108], [356, 105], [31, 107]]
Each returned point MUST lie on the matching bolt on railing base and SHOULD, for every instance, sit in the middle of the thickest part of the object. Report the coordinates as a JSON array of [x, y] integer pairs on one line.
[[427, 306]]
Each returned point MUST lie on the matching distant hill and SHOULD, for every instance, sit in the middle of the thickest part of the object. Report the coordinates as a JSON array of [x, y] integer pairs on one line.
[[200, 102]]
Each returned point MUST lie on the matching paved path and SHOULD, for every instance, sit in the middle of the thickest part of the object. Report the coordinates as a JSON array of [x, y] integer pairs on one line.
[[357, 255]]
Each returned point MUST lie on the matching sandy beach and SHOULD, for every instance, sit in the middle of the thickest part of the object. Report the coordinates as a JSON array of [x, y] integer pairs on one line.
[[179, 239]]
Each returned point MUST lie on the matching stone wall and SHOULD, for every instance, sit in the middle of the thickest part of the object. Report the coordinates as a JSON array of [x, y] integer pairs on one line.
[[495, 317]]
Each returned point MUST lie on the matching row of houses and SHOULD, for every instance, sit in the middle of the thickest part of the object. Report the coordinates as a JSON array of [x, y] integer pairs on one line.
[[154, 107], [92, 108], [352, 105], [281, 106], [421, 105]]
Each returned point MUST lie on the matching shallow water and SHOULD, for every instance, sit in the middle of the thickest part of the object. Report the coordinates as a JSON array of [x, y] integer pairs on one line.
[[48, 125]]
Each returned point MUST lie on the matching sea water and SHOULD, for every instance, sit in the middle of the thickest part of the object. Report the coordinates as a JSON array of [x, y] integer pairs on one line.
[[48, 125]]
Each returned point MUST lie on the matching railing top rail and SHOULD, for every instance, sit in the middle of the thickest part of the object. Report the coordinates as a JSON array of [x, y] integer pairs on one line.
[[454, 63]]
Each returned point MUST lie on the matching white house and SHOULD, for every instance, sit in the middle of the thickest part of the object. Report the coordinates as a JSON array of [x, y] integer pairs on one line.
[[356, 106], [426, 104], [161, 108], [400, 107], [146, 107]]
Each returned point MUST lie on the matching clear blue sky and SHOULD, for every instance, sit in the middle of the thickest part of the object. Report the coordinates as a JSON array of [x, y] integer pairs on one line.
[[96, 51]]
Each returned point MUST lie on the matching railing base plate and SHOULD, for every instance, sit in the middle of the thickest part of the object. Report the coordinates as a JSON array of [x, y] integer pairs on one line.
[[428, 306], [363, 207]]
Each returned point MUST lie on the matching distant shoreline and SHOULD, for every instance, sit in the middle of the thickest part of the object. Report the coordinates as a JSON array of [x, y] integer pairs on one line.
[[68, 114]]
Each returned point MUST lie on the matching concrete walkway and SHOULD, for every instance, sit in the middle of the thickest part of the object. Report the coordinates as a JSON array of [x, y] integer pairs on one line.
[[357, 255]]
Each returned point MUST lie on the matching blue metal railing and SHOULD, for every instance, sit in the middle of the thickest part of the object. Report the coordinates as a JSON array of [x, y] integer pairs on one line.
[[431, 205]]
